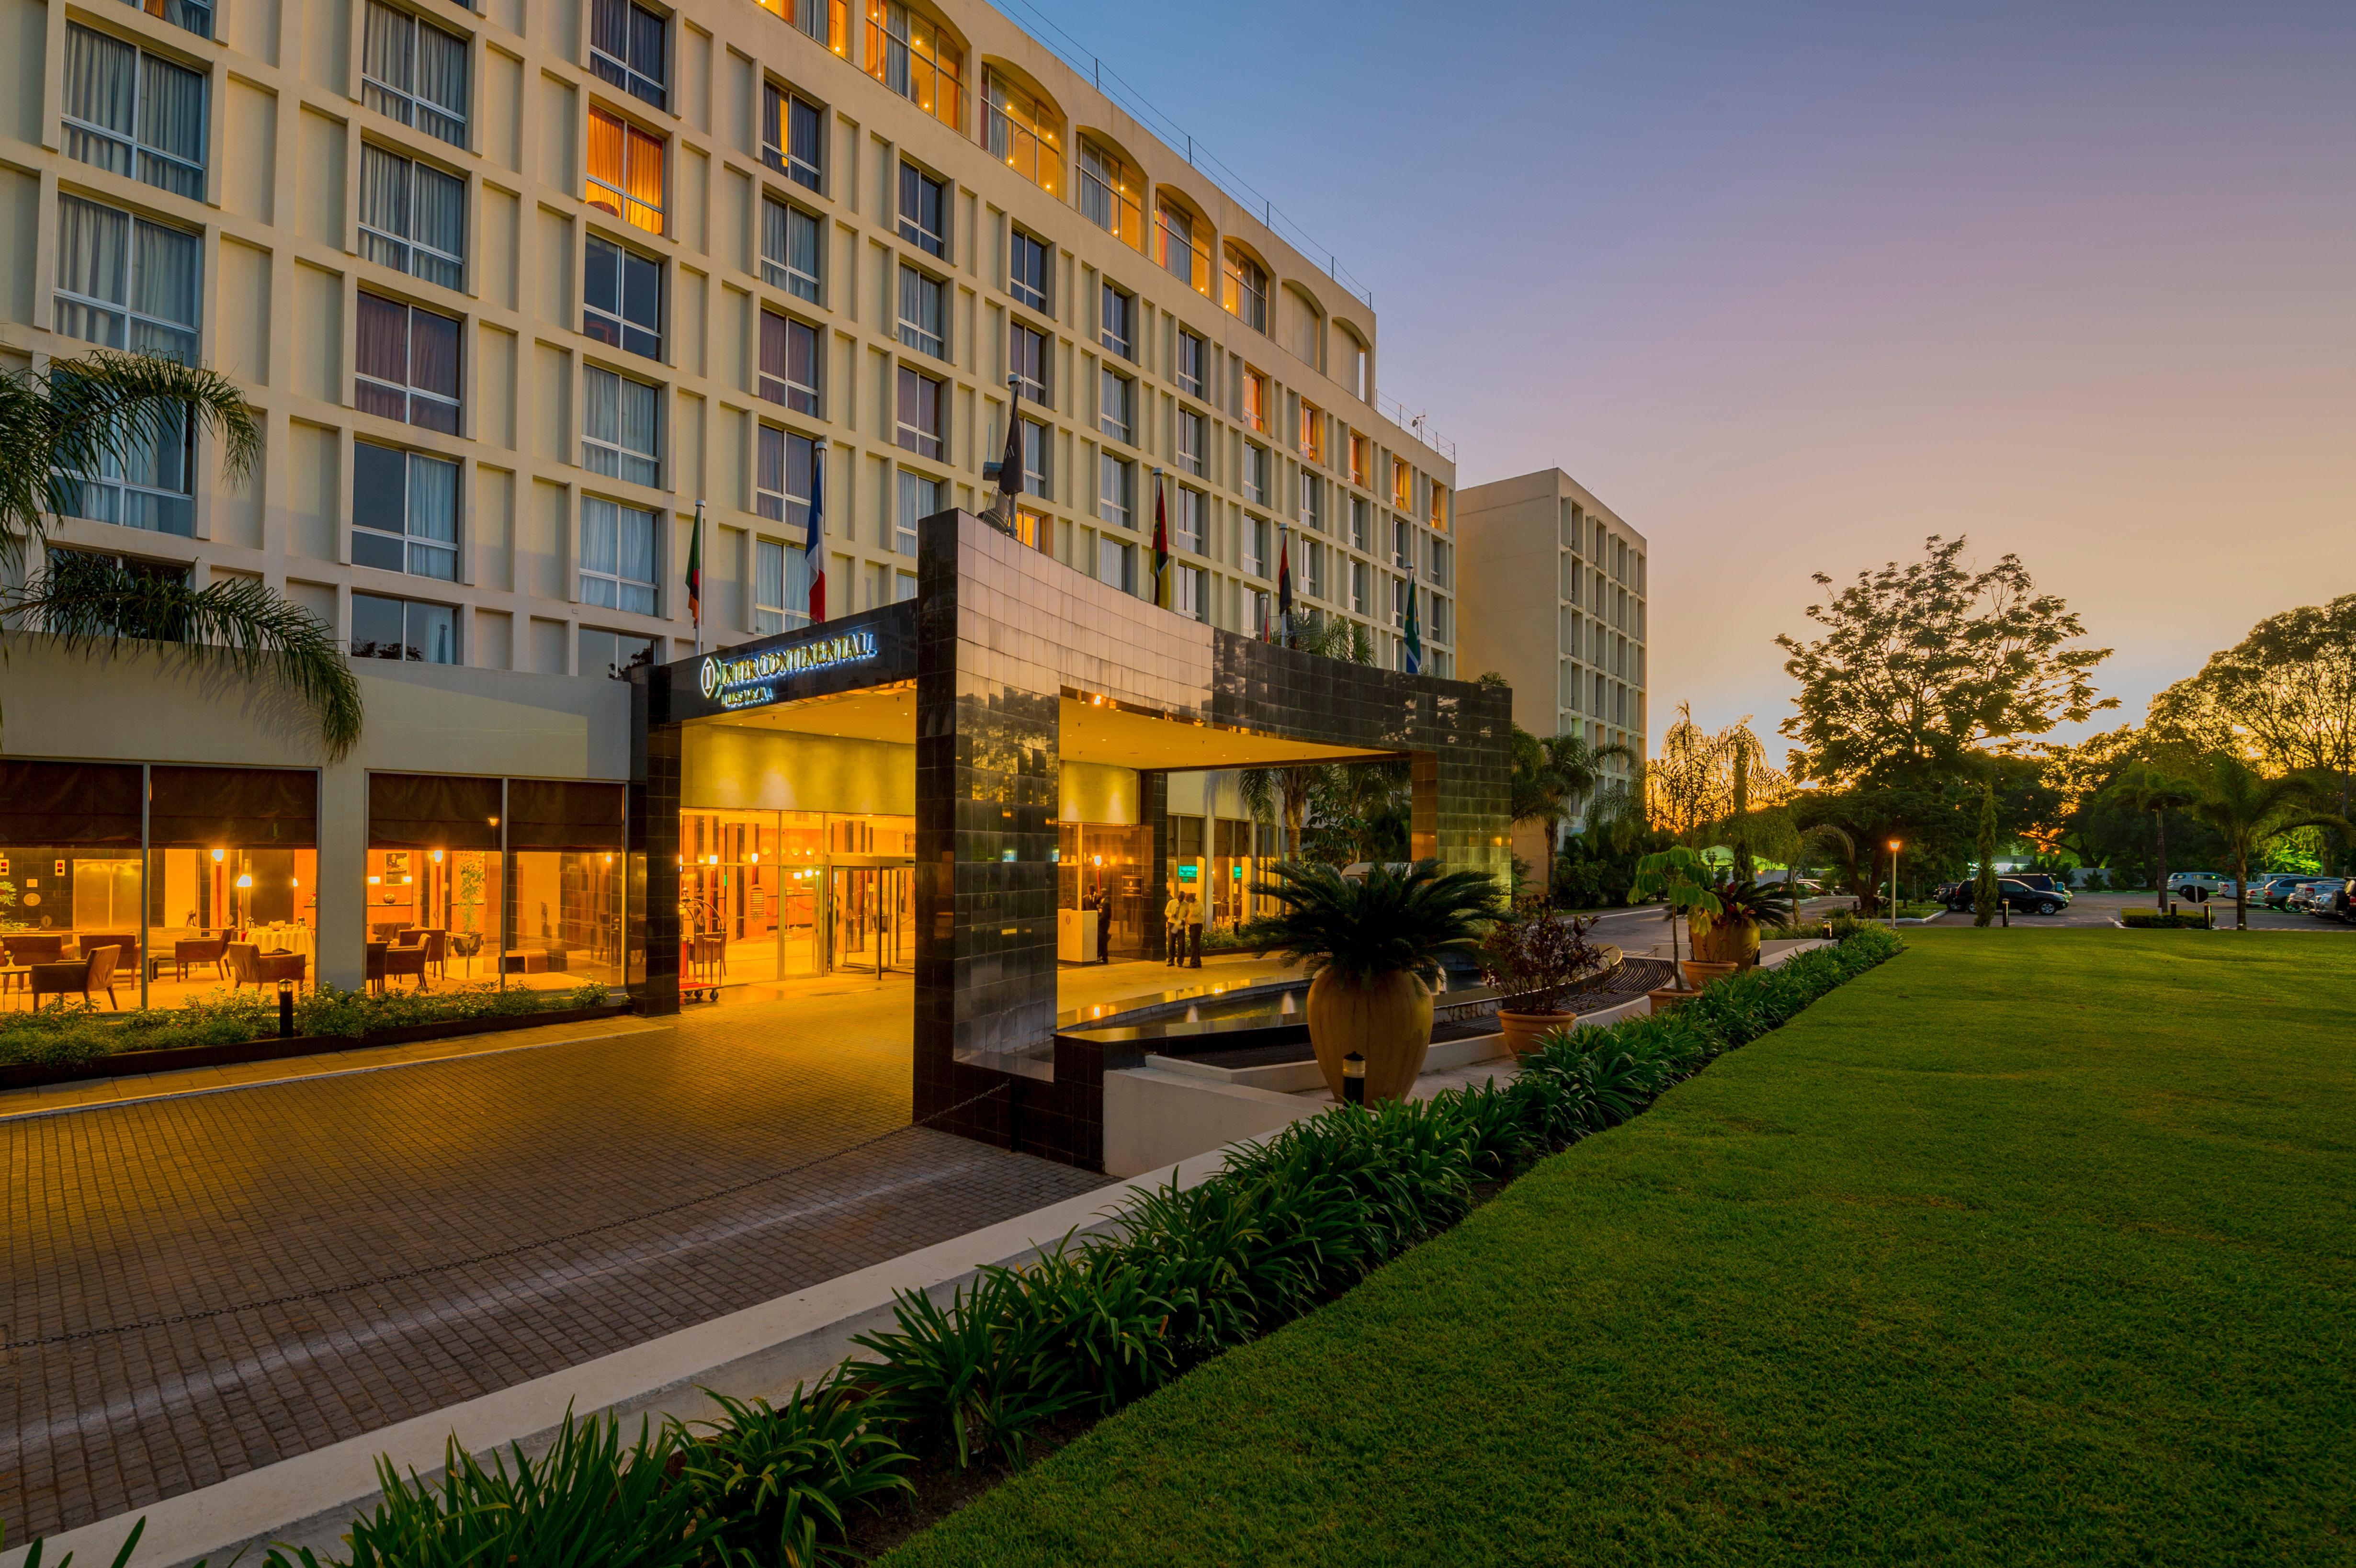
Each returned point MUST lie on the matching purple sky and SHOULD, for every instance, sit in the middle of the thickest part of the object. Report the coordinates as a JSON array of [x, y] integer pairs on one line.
[[1792, 287]]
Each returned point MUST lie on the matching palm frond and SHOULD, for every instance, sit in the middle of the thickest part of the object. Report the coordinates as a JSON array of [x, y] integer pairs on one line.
[[89, 603], [1380, 925]]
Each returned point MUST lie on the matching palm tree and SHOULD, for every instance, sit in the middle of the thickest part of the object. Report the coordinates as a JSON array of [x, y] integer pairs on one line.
[[2145, 787], [1552, 779], [2249, 810], [79, 416]]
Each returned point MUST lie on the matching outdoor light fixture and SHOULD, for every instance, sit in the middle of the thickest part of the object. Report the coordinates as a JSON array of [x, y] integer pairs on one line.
[[245, 878], [286, 1009], [218, 856], [1354, 1080], [436, 857], [1893, 884]]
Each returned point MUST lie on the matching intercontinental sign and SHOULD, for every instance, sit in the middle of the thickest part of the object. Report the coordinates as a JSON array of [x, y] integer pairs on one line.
[[744, 682]]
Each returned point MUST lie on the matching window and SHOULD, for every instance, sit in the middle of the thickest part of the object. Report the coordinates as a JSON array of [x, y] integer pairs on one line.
[[923, 211], [1398, 601], [1402, 485], [614, 653], [1038, 445], [1312, 570], [125, 283], [1117, 406], [387, 628], [1255, 479], [622, 298], [780, 588], [1358, 458], [1176, 249], [1035, 529], [1116, 564], [1360, 590], [1243, 288], [1402, 545], [1308, 331], [196, 17], [1362, 521], [1027, 276], [1351, 371], [908, 54], [1436, 564], [921, 414], [1190, 442], [134, 112], [1440, 620], [408, 364], [781, 479], [828, 21], [621, 427], [617, 556], [924, 305], [1022, 131], [626, 172], [792, 250], [1117, 328], [414, 72], [793, 136], [404, 511], [1116, 490], [1254, 399], [1107, 194], [1188, 528], [1194, 357], [412, 217], [625, 48], [789, 364], [1312, 432], [1596, 707], [1439, 500], [920, 497], [1313, 496], [1189, 593], [1027, 361], [1256, 546]]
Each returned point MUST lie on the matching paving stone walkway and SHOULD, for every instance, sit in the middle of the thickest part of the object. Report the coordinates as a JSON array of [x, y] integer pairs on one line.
[[193, 1207]]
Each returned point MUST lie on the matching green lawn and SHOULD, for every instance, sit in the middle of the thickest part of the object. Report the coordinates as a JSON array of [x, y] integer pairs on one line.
[[2026, 1247]]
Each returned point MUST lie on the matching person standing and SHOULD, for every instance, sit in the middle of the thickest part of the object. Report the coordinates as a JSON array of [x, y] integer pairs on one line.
[[1173, 928], [1104, 927], [1194, 932]]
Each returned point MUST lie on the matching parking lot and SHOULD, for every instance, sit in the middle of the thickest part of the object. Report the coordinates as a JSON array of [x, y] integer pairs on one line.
[[2103, 909]]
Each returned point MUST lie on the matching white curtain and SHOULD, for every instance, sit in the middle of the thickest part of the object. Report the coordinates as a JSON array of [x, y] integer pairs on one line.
[[385, 47], [384, 207], [433, 515], [641, 415], [438, 206], [634, 559], [101, 85], [442, 84], [172, 121], [165, 289], [93, 247]]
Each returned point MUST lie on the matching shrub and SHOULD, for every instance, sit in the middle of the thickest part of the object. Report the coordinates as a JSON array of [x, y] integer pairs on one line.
[[2152, 920], [777, 1482], [979, 1375]]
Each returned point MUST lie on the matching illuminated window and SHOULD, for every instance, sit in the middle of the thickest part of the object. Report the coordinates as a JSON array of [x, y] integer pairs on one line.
[[626, 171], [793, 136], [1358, 458], [790, 363], [1440, 506], [909, 55], [626, 48], [1020, 129], [1176, 249], [1108, 188], [1035, 529], [1312, 432], [408, 367], [1254, 399], [1243, 288], [828, 21], [1402, 484]]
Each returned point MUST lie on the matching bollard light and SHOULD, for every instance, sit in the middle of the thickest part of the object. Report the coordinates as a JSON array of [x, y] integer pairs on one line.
[[286, 1009], [1354, 1080]]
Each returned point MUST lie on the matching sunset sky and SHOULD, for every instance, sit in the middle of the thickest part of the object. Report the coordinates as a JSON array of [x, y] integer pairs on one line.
[[1792, 287]]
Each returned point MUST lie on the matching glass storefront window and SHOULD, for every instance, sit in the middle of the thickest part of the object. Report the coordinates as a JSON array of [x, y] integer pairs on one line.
[[778, 895], [1113, 864]]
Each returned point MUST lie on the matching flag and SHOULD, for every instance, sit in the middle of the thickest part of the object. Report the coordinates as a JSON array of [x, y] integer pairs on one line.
[[695, 576], [1284, 582], [1414, 635], [1161, 545], [814, 552], [1009, 466]]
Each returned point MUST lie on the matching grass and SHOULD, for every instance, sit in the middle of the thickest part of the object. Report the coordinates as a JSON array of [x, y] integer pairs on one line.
[[2024, 1248]]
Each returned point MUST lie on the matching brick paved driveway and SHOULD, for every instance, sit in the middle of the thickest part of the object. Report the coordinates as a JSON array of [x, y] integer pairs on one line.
[[123, 1213]]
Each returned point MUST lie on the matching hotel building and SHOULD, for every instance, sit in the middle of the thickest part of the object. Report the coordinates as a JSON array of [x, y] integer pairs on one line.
[[1558, 586], [516, 293]]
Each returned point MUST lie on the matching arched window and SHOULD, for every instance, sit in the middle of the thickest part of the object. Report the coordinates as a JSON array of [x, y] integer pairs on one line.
[[1020, 127], [1112, 194], [1243, 287], [1182, 243], [914, 55]]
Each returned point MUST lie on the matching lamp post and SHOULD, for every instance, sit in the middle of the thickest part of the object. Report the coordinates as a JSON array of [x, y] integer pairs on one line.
[[1893, 884], [286, 1009]]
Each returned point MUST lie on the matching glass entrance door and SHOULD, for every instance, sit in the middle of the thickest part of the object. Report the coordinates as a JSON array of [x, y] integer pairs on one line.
[[870, 919]]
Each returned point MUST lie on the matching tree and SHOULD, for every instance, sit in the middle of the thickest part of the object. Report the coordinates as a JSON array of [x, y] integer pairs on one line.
[[1988, 898], [2252, 810], [2144, 787], [1552, 778], [1923, 663], [79, 416], [1681, 878]]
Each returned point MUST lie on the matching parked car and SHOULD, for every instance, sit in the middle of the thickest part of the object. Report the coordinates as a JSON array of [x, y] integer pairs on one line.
[[2333, 900], [2199, 887], [2278, 892], [2019, 894], [2300, 899]]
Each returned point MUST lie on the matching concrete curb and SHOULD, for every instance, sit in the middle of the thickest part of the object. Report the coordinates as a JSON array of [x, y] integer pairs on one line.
[[310, 1499]]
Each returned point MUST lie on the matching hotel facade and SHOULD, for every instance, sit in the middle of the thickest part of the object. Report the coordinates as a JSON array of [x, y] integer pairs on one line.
[[518, 294]]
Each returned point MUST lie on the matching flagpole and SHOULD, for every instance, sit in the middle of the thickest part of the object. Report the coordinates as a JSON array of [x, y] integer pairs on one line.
[[695, 558]]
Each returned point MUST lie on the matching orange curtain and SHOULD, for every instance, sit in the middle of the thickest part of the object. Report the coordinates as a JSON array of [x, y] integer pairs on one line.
[[605, 136], [645, 180]]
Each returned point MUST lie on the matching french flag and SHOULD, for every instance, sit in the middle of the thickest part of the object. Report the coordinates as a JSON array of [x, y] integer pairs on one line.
[[814, 552]]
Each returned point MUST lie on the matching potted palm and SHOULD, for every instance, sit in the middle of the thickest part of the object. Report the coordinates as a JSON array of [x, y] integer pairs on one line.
[[1680, 879], [1536, 959], [1372, 948], [1731, 934]]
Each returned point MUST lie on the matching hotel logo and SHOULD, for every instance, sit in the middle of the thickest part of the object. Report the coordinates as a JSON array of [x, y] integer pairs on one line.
[[742, 682]]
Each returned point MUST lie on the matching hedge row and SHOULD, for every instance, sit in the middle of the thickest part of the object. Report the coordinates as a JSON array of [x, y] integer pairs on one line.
[[1184, 1276]]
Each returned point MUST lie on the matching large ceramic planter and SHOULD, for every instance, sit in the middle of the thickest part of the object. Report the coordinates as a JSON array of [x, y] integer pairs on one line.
[[1700, 973], [1387, 1020], [1525, 1032], [1668, 1000], [1734, 942]]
